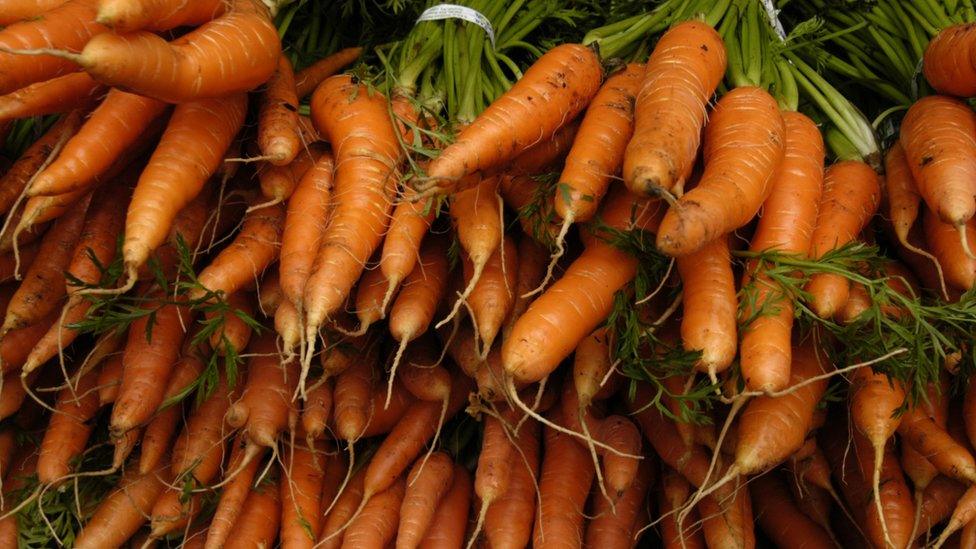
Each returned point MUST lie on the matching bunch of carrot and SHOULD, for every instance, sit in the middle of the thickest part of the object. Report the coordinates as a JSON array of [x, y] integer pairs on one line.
[[575, 302]]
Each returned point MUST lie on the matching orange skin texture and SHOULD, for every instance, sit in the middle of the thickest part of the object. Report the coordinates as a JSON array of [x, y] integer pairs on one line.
[[948, 61], [896, 498], [948, 456], [451, 516], [265, 408], [305, 220], [234, 53], [76, 90], [476, 217], [257, 525], [68, 431], [567, 472], [743, 150], [158, 433], [357, 123], [852, 191], [311, 76], [508, 523], [781, 519], [353, 390], [278, 133], [493, 474], [157, 15], [492, 298], [710, 306], [682, 73], [234, 332], [422, 291], [17, 344], [598, 150], [408, 227], [123, 511], [615, 529], [772, 428], [939, 137], [20, 10], [728, 522], [369, 298], [110, 129], [874, 404], [301, 496], [944, 243], [190, 151], [557, 87], [199, 449], [674, 492], [376, 525], [317, 410], [786, 224], [67, 27], [233, 496], [427, 485], [279, 182], [16, 178], [343, 510], [901, 192]]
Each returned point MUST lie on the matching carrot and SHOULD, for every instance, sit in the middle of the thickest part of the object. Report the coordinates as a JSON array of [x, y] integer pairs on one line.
[[509, 520], [234, 494], [570, 309], [409, 225], [531, 271], [939, 500], [598, 150], [257, 525], [20, 10], [288, 324], [494, 472], [199, 448], [279, 182], [423, 377], [301, 495], [16, 345], [728, 523], [890, 517], [67, 433], [566, 475], [745, 136], [95, 248], [949, 457], [451, 516], [493, 296], [57, 95], [244, 260], [780, 518], [278, 134], [545, 155], [317, 410], [674, 491], [850, 198], [44, 283], [477, 218], [8, 444], [311, 76], [346, 504], [336, 467], [123, 512], [947, 63], [680, 77], [520, 193], [937, 134], [269, 293], [68, 26], [616, 527], [365, 183], [592, 377], [189, 152], [158, 15], [370, 304], [305, 220], [234, 332], [21, 470], [160, 430], [709, 304], [427, 484], [376, 525], [12, 392], [964, 512], [561, 83], [353, 390], [786, 225], [423, 289], [188, 226], [903, 198], [265, 407], [115, 125], [944, 242]]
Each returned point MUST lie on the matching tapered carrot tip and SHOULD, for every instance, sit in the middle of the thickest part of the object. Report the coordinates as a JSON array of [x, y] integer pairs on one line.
[[830, 294], [682, 231], [110, 12], [646, 179], [768, 380]]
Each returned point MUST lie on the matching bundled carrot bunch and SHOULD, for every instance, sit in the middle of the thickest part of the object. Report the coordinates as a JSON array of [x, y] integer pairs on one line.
[[632, 288]]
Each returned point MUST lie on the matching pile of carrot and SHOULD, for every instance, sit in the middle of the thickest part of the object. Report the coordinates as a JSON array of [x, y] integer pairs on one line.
[[654, 291]]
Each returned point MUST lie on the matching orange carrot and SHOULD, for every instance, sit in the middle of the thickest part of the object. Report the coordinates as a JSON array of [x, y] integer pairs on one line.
[[728, 523], [561, 83], [675, 490], [123, 512], [509, 520], [710, 307], [189, 152], [234, 494], [365, 183], [305, 220], [67, 433], [780, 518], [947, 63], [311, 76], [616, 527], [687, 64], [451, 516], [318, 409], [345, 506], [269, 293], [336, 466], [850, 198], [937, 134], [427, 484], [147, 366], [945, 244], [787, 223], [493, 296], [422, 291], [279, 182], [376, 525], [745, 136], [353, 390], [949, 457], [68, 26], [964, 512], [265, 408], [890, 517], [115, 125], [301, 493], [531, 270], [20, 10], [130, 15], [566, 475], [257, 525], [160, 430], [409, 225], [278, 136], [62, 94]]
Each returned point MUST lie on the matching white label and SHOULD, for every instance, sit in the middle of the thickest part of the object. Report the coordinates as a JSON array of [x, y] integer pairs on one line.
[[773, 14], [454, 11]]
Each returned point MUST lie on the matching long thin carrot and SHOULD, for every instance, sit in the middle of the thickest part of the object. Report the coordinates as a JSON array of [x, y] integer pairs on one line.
[[851, 194], [69, 26], [565, 483], [687, 64], [234, 494], [62, 94], [190, 151], [673, 493], [615, 526], [67, 433], [744, 146], [376, 525], [156, 437], [301, 495], [311, 76], [949, 457], [451, 516], [560, 83], [305, 221], [508, 523], [257, 525], [116, 124], [20, 10], [265, 408], [123, 512], [493, 297], [279, 182], [278, 134], [945, 244], [781, 519], [709, 306], [409, 225], [787, 223], [427, 484]]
